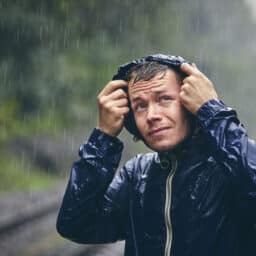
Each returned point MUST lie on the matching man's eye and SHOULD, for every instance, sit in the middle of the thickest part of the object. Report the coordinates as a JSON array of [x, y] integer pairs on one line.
[[140, 107], [165, 99]]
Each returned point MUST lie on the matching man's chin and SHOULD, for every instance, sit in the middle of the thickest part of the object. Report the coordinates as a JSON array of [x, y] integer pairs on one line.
[[163, 145], [158, 147]]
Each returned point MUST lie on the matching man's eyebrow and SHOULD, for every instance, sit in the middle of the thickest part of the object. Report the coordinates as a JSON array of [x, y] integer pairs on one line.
[[136, 98]]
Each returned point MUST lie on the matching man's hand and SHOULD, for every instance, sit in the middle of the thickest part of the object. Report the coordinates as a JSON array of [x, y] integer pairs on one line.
[[113, 106], [196, 89]]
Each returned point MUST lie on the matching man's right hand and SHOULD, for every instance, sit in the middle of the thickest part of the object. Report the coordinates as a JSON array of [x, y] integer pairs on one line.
[[113, 106]]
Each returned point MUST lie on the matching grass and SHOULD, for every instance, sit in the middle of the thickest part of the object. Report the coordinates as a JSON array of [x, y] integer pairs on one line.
[[17, 174]]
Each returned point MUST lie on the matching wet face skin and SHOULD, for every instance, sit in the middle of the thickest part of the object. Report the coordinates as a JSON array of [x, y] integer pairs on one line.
[[158, 112]]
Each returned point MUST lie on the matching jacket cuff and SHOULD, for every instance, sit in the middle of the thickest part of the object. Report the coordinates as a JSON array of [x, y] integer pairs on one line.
[[102, 146], [209, 110]]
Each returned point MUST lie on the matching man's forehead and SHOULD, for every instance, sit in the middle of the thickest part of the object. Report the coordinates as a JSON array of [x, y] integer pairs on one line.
[[156, 84], [147, 86]]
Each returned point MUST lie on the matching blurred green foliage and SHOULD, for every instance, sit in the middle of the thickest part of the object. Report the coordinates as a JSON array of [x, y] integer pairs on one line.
[[18, 174], [56, 55]]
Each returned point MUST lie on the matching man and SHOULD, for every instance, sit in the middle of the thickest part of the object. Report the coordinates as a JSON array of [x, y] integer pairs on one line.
[[195, 195]]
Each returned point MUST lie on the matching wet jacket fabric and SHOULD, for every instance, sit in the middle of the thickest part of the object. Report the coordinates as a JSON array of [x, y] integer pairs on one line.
[[198, 200]]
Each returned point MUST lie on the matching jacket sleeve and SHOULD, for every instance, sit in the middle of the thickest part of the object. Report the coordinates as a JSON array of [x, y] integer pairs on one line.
[[93, 211], [230, 143]]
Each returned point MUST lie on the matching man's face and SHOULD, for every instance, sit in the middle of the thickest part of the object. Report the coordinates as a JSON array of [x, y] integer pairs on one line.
[[159, 115]]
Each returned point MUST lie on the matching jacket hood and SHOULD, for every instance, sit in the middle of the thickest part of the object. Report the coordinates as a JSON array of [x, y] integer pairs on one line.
[[123, 71]]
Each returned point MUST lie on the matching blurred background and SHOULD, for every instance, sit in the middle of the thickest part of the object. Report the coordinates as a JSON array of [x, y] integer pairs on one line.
[[56, 56]]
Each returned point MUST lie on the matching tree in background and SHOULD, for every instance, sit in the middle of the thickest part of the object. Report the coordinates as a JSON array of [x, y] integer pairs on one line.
[[57, 54]]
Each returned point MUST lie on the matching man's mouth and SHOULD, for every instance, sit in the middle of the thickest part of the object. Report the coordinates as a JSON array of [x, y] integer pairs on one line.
[[157, 131]]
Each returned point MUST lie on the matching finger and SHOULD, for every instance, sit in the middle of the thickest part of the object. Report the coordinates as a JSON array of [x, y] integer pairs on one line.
[[194, 65], [112, 86], [182, 95], [192, 80], [120, 103], [189, 69], [109, 99], [117, 94], [123, 110], [184, 98], [185, 88]]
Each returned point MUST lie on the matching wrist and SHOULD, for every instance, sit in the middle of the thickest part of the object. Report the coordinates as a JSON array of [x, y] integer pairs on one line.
[[106, 131]]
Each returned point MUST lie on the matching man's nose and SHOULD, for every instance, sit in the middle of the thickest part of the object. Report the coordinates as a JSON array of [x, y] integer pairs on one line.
[[153, 113]]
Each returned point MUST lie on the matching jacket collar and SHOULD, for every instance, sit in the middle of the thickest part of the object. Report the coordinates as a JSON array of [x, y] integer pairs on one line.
[[193, 145]]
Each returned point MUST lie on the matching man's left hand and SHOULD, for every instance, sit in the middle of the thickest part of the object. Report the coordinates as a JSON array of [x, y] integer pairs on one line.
[[196, 89]]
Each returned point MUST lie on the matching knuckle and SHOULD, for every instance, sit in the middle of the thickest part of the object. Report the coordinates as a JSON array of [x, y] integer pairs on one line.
[[108, 106], [192, 79], [118, 92], [125, 101], [101, 100], [127, 109], [185, 87], [124, 94], [111, 83], [182, 94], [185, 80], [201, 75], [121, 93]]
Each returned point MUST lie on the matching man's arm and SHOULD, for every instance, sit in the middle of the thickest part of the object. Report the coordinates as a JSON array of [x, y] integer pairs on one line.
[[229, 141], [87, 213], [228, 138]]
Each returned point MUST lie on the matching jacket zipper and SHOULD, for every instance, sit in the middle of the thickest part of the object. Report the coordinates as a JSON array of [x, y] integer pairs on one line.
[[167, 209]]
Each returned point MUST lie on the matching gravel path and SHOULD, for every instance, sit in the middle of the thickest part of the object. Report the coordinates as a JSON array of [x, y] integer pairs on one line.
[[37, 236]]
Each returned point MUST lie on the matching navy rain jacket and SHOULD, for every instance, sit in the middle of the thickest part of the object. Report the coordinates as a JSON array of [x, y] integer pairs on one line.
[[202, 202]]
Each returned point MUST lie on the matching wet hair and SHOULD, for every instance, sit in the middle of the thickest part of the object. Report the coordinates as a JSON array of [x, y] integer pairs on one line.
[[148, 70]]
